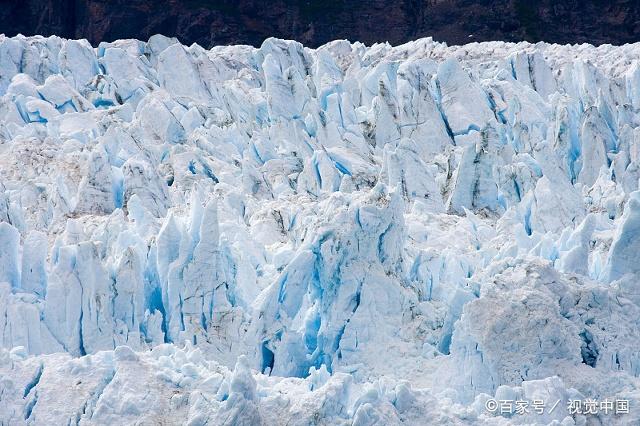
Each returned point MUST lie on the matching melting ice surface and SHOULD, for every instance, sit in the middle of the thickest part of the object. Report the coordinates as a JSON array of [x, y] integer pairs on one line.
[[348, 235]]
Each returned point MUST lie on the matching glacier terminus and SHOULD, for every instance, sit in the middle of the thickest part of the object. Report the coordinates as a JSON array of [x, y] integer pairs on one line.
[[348, 235]]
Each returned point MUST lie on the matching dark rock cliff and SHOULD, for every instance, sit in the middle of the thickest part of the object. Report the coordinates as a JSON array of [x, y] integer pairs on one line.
[[315, 22]]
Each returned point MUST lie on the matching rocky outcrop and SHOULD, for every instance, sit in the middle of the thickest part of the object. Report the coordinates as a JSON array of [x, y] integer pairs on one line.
[[315, 22]]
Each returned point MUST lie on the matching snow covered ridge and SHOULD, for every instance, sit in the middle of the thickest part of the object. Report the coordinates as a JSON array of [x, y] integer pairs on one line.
[[348, 235]]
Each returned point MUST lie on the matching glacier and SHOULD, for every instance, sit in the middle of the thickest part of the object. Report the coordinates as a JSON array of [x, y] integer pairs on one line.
[[357, 235]]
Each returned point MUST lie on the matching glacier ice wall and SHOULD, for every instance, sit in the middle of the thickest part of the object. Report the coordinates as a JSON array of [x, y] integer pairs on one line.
[[282, 235]]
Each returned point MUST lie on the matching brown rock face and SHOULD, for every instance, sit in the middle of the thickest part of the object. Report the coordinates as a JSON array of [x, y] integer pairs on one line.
[[314, 22]]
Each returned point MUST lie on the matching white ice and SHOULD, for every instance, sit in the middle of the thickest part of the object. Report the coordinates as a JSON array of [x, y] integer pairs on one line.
[[343, 235]]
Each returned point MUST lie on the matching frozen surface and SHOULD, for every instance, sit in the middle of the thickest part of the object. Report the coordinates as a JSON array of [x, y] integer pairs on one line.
[[348, 235]]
